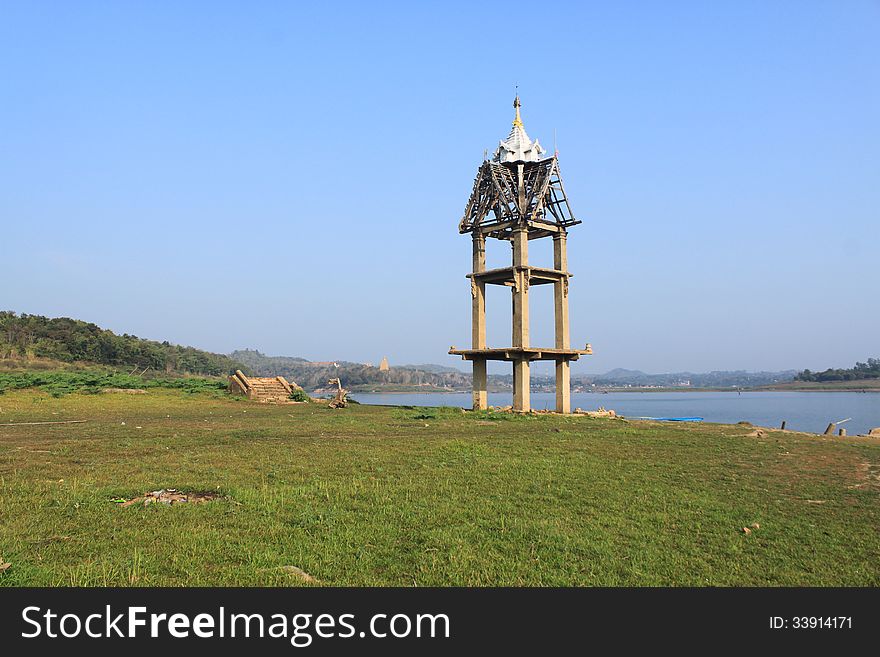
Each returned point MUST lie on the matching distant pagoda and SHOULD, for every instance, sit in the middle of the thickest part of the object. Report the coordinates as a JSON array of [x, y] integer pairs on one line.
[[517, 197]]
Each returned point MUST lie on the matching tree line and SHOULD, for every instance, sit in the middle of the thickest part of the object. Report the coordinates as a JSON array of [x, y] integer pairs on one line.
[[868, 370], [68, 340]]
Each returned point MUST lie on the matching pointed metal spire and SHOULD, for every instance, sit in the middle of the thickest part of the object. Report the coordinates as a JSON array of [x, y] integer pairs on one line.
[[516, 104]]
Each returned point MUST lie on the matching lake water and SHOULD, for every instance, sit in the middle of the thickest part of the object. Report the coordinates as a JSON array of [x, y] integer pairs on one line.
[[802, 411]]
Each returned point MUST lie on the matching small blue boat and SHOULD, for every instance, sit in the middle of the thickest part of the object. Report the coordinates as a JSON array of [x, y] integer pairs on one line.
[[671, 419]]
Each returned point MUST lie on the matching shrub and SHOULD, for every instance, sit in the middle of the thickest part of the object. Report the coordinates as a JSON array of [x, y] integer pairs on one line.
[[299, 395], [59, 383]]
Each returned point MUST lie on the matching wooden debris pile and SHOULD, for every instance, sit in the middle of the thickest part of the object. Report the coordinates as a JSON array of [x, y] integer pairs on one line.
[[170, 496], [339, 400], [600, 412]]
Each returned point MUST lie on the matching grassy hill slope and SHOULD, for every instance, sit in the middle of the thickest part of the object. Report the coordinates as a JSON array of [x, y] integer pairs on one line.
[[31, 339]]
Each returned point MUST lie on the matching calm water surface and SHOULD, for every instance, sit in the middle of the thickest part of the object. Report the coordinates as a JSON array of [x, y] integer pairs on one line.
[[803, 411]]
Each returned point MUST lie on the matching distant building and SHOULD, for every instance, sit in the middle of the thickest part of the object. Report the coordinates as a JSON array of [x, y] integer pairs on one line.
[[383, 366]]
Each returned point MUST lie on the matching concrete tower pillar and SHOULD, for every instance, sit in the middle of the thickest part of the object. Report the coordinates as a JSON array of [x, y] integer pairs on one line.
[[563, 337], [478, 324], [520, 287], [521, 374]]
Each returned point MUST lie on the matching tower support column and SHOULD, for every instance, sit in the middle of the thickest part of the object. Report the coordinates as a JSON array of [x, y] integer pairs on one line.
[[521, 369], [563, 337], [478, 324], [481, 379], [563, 386], [522, 399], [520, 288]]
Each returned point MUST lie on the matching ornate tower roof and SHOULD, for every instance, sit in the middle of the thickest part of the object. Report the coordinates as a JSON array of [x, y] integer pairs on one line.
[[517, 187], [518, 147]]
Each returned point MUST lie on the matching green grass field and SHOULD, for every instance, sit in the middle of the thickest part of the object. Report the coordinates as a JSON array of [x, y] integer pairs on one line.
[[402, 496]]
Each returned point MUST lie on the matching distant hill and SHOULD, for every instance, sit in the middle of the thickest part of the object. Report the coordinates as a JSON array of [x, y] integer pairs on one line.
[[257, 361], [311, 375], [431, 367], [72, 340], [621, 374], [716, 379]]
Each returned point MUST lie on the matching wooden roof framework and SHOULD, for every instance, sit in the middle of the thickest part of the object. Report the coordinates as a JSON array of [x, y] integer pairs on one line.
[[509, 194]]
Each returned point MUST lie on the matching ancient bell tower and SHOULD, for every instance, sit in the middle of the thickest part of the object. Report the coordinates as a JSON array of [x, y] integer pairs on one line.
[[517, 197]]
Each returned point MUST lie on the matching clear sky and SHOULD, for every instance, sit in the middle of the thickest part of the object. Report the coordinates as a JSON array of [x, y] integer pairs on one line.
[[290, 176]]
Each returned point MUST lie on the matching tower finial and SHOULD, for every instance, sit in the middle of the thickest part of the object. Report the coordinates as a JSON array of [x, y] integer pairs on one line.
[[516, 105]]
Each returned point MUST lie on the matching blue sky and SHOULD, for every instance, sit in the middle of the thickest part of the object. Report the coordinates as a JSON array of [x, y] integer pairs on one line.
[[289, 177]]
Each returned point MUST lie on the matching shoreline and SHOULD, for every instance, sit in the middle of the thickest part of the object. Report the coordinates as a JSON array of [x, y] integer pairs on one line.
[[742, 424], [626, 390]]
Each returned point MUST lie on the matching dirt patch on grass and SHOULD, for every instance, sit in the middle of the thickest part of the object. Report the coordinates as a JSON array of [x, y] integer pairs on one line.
[[300, 573], [171, 496], [818, 461], [868, 475]]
